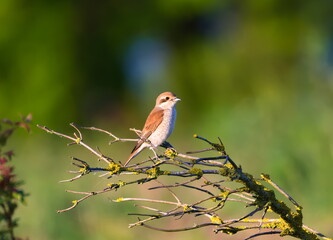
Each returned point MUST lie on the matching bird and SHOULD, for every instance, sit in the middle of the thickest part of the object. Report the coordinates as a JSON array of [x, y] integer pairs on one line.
[[159, 124]]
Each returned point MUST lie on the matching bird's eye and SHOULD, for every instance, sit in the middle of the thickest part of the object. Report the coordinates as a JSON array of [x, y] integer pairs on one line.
[[167, 98]]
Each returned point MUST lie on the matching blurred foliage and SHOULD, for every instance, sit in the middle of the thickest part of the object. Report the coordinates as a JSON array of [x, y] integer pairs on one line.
[[11, 193], [258, 74]]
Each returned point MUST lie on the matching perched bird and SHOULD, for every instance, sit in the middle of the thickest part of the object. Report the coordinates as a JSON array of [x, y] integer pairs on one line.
[[159, 124]]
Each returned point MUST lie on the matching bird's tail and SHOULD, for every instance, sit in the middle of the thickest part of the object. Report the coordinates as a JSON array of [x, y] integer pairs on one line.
[[129, 158], [136, 150]]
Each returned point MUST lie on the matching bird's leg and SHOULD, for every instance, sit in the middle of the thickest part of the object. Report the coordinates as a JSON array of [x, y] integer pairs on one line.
[[153, 149]]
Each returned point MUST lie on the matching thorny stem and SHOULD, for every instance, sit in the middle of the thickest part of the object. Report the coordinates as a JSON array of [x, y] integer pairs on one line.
[[212, 195]]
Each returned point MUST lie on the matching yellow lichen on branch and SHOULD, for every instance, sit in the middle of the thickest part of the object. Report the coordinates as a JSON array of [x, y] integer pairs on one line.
[[210, 184]]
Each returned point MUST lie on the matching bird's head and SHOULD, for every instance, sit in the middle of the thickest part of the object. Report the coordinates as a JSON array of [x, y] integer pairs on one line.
[[166, 100]]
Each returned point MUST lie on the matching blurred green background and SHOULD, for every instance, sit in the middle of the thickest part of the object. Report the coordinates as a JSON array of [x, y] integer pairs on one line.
[[258, 74]]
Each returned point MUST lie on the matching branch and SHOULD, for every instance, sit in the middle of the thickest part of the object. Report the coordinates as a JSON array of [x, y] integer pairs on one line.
[[215, 181]]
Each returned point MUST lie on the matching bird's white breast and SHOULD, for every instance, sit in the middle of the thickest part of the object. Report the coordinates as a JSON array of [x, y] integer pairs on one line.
[[166, 127]]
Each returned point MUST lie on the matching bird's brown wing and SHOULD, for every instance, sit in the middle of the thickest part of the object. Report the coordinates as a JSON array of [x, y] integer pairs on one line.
[[153, 121]]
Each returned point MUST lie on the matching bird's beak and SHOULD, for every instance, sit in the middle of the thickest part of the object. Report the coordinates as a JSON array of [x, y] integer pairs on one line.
[[176, 99]]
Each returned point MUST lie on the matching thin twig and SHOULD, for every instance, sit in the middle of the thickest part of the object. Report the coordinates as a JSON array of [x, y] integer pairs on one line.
[[77, 141], [262, 234], [269, 180]]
